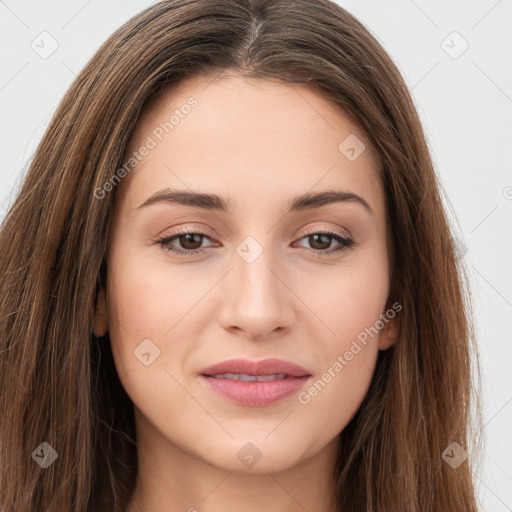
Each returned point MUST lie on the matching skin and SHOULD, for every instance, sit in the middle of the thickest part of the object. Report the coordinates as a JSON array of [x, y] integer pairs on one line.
[[257, 144]]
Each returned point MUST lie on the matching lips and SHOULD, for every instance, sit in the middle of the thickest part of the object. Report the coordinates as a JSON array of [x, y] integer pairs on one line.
[[255, 383], [263, 367]]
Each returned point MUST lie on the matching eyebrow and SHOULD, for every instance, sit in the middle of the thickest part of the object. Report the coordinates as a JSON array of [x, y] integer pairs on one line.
[[213, 202]]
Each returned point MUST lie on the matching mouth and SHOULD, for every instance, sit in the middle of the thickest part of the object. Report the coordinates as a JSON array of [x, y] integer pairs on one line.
[[255, 383]]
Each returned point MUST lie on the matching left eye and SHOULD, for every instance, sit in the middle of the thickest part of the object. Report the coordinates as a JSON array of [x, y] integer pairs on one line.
[[191, 242], [321, 239]]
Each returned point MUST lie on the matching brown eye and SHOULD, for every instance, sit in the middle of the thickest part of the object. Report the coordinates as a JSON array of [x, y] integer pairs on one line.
[[320, 241], [190, 241], [184, 243]]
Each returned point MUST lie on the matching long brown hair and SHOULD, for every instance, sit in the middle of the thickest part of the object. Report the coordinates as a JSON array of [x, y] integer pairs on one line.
[[58, 384]]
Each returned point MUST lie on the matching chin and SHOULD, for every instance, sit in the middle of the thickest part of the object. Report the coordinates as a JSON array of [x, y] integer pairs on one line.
[[256, 456]]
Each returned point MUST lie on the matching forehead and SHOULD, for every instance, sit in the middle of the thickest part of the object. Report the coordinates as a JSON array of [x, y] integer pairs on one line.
[[233, 135]]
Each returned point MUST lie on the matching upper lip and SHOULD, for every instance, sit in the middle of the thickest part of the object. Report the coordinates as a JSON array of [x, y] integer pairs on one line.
[[262, 367]]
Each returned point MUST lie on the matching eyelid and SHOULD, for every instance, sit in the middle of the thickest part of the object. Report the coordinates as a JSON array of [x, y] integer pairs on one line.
[[188, 228], [322, 229]]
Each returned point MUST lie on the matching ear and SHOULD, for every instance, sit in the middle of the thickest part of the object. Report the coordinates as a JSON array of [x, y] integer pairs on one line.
[[389, 333], [100, 316]]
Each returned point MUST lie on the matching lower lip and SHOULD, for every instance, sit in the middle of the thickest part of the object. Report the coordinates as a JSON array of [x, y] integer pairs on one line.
[[255, 394]]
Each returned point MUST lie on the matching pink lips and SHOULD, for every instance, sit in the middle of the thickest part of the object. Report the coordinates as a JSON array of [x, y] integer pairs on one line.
[[255, 393]]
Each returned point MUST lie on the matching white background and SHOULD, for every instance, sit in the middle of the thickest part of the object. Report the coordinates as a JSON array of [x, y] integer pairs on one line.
[[465, 104]]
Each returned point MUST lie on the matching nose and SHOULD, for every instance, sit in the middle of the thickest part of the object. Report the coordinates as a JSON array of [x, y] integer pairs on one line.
[[257, 303]]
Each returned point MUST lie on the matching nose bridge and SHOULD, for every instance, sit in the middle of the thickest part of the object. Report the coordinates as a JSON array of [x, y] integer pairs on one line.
[[257, 301], [252, 273]]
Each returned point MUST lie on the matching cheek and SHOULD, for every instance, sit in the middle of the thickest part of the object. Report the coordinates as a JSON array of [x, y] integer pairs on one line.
[[349, 302], [345, 301], [334, 396], [146, 302], [149, 297], [348, 350], [150, 326]]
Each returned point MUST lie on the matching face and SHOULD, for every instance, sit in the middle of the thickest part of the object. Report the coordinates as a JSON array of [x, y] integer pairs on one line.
[[251, 273]]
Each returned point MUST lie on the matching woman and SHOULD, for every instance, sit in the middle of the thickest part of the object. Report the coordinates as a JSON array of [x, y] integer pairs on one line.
[[310, 350]]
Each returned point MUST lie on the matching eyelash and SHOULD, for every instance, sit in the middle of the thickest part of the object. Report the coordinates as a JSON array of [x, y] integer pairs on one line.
[[345, 242]]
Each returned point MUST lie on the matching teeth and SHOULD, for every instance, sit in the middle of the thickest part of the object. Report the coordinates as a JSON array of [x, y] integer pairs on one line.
[[249, 378]]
